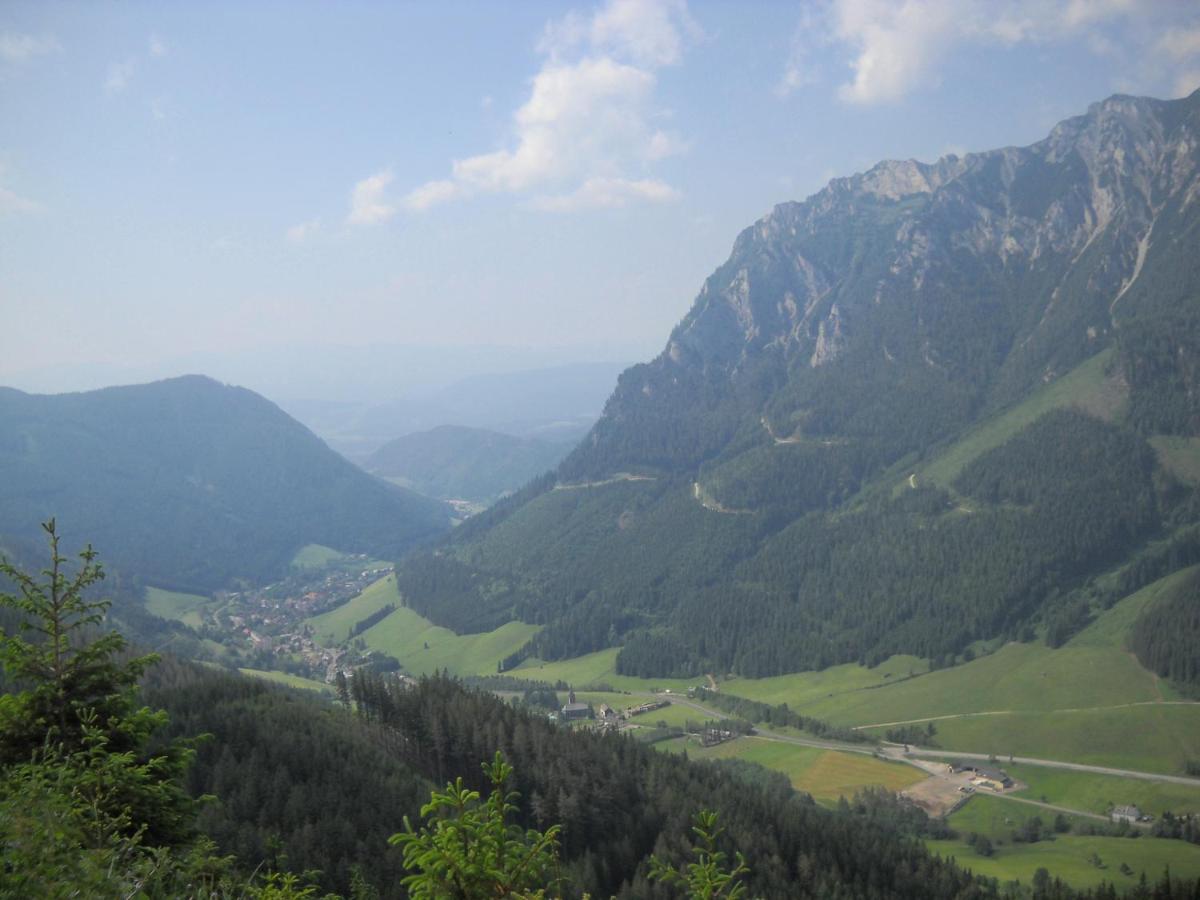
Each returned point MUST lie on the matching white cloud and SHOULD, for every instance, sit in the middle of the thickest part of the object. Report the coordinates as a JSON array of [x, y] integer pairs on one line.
[[430, 194], [119, 76], [1186, 82], [589, 120], [300, 233], [608, 193], [367, 203], [11, 202], [1181, 43], [893, 47], [19, 48], [157, 46]]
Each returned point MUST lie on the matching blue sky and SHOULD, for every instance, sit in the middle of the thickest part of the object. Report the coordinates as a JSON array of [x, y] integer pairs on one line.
[[183, 178]]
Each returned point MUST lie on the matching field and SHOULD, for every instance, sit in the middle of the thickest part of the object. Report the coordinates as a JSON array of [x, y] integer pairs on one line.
[[826, 774], [1080, 702], [1155, 738], [1099, 793], [996, 817], [295, 681], [335, 625], [1086, 386], [1069, 857], [315, 556], [1180, 456], [186, 608], [421, 646], [596, 668]]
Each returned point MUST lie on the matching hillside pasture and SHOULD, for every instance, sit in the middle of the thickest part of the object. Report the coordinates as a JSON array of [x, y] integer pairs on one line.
[[186, 608], [826, 774], [1100, 793]]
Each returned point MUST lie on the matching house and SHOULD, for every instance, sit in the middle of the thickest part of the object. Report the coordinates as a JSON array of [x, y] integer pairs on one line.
[[986, 777], [1126, 814], [576, 711]]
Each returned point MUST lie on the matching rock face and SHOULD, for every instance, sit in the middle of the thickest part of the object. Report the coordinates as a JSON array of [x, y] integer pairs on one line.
[[995, 271], [767, 473]]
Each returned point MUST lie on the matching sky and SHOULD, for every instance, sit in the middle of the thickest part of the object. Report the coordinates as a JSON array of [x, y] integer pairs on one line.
[[182, 182]]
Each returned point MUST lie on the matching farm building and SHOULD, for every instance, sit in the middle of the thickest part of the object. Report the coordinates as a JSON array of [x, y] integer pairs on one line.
[[576, 711], [1126, 814]]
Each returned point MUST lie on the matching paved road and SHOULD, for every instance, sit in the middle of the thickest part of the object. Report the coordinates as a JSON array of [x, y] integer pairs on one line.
[[1056, 764], [1062, 809], [897, 753], [1017, 712]]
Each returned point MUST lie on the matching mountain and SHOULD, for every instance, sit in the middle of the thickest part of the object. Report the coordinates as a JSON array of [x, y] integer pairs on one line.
[[190, 483], [929, 406], [470, 463], [558, 403]]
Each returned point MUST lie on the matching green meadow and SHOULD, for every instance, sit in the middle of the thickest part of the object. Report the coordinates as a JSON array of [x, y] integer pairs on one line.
[[1155, 738], [596, 668], [996, 817], [1086, 386], [335, 625], [1081, 702], [421, 646], [826, 774], [294, 681], [1069, 857], [315, 556], [1099, 793], [186, 608]]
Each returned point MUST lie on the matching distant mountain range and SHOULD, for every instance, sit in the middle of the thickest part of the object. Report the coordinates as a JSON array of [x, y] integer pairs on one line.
[[452, 462], [189, 483], [929, 406], [556, 403]]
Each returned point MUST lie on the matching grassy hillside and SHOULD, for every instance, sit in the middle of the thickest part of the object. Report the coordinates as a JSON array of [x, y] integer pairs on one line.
[[596, 668], [826, 774], [1100, 793], [1069, 857], [295, 681], [334, 626], [186, 608], [421, 646], [1089, 386]]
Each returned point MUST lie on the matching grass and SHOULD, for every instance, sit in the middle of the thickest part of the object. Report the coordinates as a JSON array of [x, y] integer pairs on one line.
[[997, 817], [1180, 456], [335, 625], [421, 646], [808, 687], [295, 681], [1068, 856], [315, 556], [1099, 793], [186, 608], [1092, 670], [596, 668], [826, 774], [1086, 385], [1154, 738]]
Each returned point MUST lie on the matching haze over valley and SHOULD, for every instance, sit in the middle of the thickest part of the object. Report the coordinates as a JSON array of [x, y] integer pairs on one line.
[[428, 392]]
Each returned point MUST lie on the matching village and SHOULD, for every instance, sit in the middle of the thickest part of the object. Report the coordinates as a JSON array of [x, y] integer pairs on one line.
[[269, 622]]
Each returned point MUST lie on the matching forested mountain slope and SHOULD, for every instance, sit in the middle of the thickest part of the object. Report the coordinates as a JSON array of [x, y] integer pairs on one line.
[[191, 483], [452, 461], [924, 407]]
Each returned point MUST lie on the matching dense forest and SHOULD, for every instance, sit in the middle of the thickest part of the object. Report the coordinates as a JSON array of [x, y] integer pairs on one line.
[[191, 484], [288, 793], [756, 498]]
